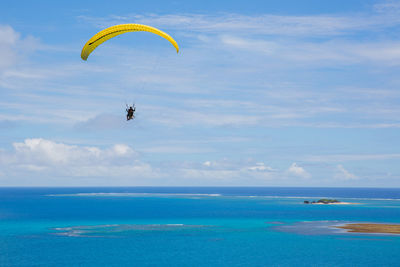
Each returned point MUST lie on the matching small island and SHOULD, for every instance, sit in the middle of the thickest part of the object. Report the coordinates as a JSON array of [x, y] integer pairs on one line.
[[375, 228], [328, 201], [323, 201]]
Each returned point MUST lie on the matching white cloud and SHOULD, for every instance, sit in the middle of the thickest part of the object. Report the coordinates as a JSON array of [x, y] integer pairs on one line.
[[350, 157], [122, 150], [59, 159], [102, 122], [226, 176], [206, 175], [230, 172], [175, 149], [44, 162], [296, 170], [266, 47], [8, 42], [13, 48], [260, 167], [32, 167], [343, 174], [207, 163], [318, 25], [328, 52], [8, 36], [65, 164], [390, 7], [49, 152], [179, 117]]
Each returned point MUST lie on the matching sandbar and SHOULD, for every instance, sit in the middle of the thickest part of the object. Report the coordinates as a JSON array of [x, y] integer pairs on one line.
[[377, 228]]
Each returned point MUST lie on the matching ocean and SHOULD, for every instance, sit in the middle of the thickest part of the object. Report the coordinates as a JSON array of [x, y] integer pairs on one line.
[[195, 226]]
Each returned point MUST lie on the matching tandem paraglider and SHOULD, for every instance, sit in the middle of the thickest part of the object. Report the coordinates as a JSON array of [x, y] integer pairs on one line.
[[116, 30], [130, 112]]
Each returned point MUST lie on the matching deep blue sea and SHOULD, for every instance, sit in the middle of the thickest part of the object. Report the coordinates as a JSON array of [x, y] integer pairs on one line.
[[182, 226]]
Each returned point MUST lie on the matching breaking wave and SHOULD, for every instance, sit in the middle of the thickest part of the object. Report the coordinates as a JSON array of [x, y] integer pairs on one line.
[[108, 230], [194, 195], [133, 195]]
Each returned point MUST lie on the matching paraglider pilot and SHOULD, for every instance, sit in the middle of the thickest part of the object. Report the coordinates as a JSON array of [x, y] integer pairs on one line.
[[130, 112]]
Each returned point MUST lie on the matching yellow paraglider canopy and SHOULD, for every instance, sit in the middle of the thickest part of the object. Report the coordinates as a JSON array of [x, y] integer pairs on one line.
[[113, 31]]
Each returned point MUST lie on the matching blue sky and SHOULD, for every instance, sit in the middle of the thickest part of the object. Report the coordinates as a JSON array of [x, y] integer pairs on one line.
[[262, 93]]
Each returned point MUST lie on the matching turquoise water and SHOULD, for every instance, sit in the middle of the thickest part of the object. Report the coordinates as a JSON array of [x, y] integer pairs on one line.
[[148, 226]]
